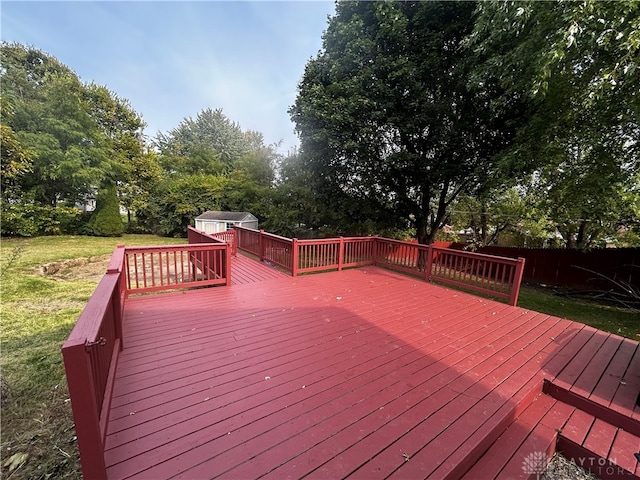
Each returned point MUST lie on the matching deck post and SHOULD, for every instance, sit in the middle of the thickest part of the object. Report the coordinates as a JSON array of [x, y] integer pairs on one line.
[[517, 279], [374, 250], [261, 247], [85, 411], [294, 257], [429, 266], [119, 297], [234, 236], [227, 267], [341, 254]]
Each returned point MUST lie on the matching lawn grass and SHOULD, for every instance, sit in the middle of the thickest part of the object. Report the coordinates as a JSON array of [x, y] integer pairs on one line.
[[621, 321], [38, 312]]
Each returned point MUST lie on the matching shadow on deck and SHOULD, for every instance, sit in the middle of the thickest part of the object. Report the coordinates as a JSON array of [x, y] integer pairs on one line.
[[363, 373]]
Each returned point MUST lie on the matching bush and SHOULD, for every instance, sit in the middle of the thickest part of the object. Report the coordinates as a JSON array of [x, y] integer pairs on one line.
[[106, 220], [31, 219]]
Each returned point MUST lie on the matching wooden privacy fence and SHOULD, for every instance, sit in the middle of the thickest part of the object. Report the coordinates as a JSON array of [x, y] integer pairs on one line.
[[488, 274], [91, 351], [558, 266]]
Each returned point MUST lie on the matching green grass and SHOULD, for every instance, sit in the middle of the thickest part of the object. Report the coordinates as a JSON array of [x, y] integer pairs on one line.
[[38, 313], [624, 322]]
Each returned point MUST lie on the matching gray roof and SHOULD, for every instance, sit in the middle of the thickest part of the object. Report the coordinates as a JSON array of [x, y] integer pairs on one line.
[[227, 216]]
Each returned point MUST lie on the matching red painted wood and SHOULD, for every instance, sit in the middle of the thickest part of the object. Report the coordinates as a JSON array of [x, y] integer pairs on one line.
[[444, 378], [578, 426], [592, 408], [493, 461], [105, 410], [245, 270], [577, 364], [149, 268], [85, 411], [541, 440], [507, 384], [627, 393], [586, 383], [88, 354], [589, 461], [327, 374], [498, 276], [613, 378], [600, 438], [625, 445]]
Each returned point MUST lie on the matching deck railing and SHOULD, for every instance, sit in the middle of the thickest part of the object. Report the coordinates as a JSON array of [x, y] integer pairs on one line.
[[496, 276], [407, 257], [90, 356], [91, 351], [205, 261], [228, 236], [268, 247], [489, 274]]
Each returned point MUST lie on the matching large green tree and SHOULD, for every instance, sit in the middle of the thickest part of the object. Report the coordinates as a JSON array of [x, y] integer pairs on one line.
[[577, 62], [78, 136], [207, 144], [386, 112]]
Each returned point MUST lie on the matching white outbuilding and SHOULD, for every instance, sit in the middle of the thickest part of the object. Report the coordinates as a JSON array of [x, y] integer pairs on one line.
[[214, 222]]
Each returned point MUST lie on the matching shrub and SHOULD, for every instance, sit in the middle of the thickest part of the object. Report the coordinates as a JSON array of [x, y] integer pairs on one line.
[[31, 219], [106, 220]]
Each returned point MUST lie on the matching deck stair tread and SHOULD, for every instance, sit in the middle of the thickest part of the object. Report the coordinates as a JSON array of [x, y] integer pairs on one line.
[[606, 450]]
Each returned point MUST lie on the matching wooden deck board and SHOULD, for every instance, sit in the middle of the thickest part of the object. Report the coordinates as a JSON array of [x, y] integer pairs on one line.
[[329, 375], [613, 378], [598, 364], [246, 270]]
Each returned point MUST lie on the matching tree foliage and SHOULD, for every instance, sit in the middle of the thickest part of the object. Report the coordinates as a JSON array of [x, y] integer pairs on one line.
[[386, 113], [63, 138], [577, 62], [208, 144]]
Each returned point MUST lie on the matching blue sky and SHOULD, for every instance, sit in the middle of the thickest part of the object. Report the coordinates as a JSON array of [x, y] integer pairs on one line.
[[173, 59]]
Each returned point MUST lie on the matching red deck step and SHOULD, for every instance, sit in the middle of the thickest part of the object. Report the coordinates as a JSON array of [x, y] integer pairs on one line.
[[525, 446]]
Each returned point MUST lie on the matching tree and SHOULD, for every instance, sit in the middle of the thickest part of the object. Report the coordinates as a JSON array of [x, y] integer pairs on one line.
[[577, 62], [105, 220], [208, 144], [143, 174], [178, 199], [502, 215], [78, 136], [15, 160], [386, 113]]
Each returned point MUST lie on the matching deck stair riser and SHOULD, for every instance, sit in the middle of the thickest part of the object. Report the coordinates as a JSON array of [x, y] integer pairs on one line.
[[596, 437], [564, 422]]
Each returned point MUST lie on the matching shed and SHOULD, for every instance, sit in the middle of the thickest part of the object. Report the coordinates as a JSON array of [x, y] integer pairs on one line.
[[214, 222]]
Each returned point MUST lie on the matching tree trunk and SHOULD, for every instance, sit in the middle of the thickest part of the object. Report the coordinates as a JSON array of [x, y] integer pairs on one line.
[[484, 234], [423, 237], [580, 238]]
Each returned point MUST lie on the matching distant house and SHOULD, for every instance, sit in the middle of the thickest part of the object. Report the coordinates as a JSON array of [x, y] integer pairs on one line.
[[214, 222]]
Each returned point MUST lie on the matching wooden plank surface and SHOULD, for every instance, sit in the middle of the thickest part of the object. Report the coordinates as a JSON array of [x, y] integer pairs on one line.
[[328, 375]]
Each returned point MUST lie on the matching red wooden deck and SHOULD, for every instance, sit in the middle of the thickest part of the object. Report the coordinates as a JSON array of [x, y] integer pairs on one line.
[[246, 270], [362, 373]]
